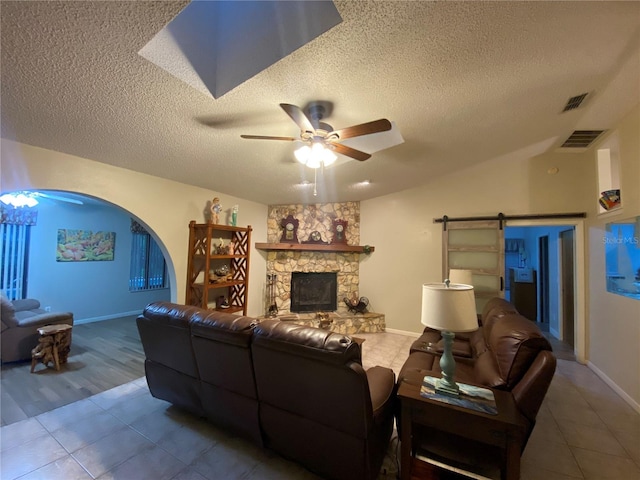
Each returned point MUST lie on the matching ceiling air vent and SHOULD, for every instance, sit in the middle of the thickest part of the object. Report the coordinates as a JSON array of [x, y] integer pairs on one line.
[[581, 138], [574, 102]]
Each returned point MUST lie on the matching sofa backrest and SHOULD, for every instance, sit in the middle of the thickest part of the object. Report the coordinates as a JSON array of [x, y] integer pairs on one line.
[[495, 302], [314, 374], [7, 312], [219, 340], [513, 343], [494, 310], [166, 336]]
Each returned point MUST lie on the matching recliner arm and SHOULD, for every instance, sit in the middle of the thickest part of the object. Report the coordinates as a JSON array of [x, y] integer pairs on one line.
[[532, 388], [45, 319], [381, 387], [23, 304]]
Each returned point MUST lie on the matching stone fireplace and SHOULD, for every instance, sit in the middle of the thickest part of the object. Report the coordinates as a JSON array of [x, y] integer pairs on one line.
[[314, 292], [343, 265]]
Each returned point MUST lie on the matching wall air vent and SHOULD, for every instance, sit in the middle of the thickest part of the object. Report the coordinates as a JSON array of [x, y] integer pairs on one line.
[[574, 102], [581, 138]]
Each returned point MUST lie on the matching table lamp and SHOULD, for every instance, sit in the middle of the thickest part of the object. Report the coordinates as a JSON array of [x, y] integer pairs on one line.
[[448, 307], [460, 276]]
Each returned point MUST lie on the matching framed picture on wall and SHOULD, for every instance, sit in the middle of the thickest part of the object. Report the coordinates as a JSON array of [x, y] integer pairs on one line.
[[85, 245]]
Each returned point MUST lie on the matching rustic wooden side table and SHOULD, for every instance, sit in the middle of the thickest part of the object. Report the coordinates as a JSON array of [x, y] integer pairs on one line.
[[53, 346], [506, 430]]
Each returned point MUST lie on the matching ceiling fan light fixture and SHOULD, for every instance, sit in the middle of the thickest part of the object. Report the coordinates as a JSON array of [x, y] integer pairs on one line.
[[302, 154], [315, 156]]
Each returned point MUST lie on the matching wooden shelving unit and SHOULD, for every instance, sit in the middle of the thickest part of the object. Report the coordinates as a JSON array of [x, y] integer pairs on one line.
[[201, 292], [314, 247]]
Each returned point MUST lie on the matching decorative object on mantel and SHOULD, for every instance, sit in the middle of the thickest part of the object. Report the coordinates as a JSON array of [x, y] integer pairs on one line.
[[324, 319], [315, 238], [272, 311], [355, 304], [339, 231], [215, 210], [290, 233]]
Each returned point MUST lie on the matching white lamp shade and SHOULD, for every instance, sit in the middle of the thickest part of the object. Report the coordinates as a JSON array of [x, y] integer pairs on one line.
[[460, 276], [451, 308]]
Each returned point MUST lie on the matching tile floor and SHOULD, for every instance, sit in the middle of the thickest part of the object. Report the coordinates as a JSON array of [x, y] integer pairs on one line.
[[584, 431]]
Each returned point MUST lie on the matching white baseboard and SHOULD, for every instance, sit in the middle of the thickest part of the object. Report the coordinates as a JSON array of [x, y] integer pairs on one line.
[[106, 317], [402, 332], [625, 396]]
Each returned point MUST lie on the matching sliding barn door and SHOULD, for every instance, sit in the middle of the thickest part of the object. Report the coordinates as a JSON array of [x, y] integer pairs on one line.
[[477, 246]]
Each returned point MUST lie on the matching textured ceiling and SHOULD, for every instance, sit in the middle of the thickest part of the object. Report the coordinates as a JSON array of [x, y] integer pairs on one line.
[[464, 81]]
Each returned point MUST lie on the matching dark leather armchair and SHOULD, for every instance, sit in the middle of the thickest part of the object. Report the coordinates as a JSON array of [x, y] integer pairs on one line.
[[317, 403]]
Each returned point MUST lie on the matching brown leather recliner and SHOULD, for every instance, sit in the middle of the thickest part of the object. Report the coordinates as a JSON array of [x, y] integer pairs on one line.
[[222, 346], [170, 363], [509, 353], [317, 403]]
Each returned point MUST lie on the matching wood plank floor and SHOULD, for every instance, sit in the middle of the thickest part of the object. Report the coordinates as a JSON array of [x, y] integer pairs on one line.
[[103, 355]]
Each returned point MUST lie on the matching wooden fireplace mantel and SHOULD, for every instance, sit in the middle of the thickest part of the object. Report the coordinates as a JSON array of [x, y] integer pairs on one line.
[[315, 247]]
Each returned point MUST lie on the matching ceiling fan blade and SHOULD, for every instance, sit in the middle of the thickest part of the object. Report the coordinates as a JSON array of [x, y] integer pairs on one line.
[[263, 137], [376, 126], [349, 152], [298, 116]]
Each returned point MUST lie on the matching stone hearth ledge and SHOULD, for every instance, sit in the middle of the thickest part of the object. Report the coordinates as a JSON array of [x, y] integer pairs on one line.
[[344, 323]]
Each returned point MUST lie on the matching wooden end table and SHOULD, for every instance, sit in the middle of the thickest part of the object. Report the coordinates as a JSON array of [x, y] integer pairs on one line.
[[53, 346], [506, 430]]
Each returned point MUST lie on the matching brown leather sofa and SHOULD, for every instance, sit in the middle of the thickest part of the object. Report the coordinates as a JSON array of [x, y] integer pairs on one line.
[[297, 390], [507, 352]]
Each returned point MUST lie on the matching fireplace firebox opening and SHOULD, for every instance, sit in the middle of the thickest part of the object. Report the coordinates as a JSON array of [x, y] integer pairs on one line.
[[314, 292]]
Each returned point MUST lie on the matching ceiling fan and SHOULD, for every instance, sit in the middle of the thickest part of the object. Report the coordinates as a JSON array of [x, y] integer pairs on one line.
[[314, 132]]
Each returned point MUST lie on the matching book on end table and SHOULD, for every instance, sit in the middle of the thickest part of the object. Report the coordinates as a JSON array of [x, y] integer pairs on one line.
[[472, 397]]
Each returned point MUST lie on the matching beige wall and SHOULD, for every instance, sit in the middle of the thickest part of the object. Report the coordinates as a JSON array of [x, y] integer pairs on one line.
[[400, 226], [614, 327], [165, 206], [409, 253]]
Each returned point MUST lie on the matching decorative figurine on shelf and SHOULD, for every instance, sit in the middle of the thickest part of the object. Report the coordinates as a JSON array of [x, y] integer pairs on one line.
[[231, 248], [215, 210], [234, 215], [222, 303], [220, 249]]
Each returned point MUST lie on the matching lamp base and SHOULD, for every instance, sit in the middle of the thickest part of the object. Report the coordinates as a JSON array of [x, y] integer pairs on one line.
[[446, 385], [445, 388]]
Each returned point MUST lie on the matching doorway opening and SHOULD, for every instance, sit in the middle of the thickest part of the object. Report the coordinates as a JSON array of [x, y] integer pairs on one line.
[[540, 276]]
